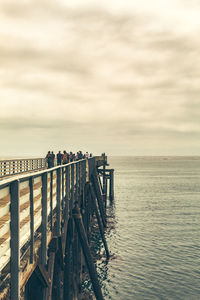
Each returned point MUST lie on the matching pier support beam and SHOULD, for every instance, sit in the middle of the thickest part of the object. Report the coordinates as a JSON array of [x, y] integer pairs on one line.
[[86, 251], [99, 221], [105, 195], [104, 175], [99, 199], [52, 253], [111, 188], [67, 291]]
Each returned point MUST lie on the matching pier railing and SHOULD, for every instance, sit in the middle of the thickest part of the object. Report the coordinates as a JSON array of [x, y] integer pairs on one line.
[[17, 166]]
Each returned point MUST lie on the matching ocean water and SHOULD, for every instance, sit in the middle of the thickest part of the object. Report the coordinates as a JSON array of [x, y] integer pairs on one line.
[[154, 230]]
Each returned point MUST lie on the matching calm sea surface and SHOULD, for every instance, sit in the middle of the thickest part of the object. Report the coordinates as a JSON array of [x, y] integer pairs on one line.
[[154, 233]]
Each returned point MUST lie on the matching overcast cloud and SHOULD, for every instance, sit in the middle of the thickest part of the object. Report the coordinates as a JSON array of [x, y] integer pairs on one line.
[[120, 77]]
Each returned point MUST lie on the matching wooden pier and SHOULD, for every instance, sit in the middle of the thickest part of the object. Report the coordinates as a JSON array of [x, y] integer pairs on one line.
[[46, 219]]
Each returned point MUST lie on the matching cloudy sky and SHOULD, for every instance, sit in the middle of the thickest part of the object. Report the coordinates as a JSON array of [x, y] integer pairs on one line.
[[120, 77]]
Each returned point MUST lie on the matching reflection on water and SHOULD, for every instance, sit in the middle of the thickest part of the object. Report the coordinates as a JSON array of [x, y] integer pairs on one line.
[[153, 230]]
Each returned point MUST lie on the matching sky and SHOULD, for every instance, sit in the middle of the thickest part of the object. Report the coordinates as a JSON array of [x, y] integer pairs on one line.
[[120, 77]]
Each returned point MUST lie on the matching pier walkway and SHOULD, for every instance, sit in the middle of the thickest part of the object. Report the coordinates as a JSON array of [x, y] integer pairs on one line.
[[46, 217]]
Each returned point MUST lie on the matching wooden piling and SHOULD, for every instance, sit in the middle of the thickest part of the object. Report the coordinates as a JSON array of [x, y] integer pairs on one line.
[[50, 271], [105, 195], [99, 198], [57, 284], [52, 254], [111, 187], [67, 265], [100, 184], [99, 221], [86, 251]]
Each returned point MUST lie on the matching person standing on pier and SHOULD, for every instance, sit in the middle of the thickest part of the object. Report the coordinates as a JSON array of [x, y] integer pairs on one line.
[[70, 156], [59, 158], [48, 159], [80, 155], [52, 159], [65, 158], [77, 156]]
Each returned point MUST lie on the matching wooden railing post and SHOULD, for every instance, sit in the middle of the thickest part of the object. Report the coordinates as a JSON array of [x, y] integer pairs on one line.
[[67, 184], [44, 220], [31, 220], [77, 182], [63, 191], [51, 200], [14, 241], [72, 188], [58, 203]]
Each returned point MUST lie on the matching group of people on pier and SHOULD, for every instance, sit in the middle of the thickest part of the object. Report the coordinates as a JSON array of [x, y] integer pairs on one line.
[[64, 158]]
